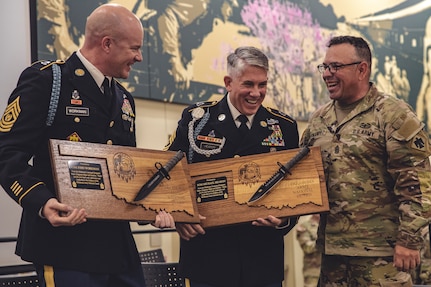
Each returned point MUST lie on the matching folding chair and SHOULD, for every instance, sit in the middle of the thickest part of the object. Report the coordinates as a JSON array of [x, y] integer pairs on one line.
[[18, 275], [162, 274], [155, 255]]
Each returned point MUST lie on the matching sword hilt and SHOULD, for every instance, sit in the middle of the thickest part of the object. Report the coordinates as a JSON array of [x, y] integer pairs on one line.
[[303, 152], [283, 169], [170, 164], [162, 170]]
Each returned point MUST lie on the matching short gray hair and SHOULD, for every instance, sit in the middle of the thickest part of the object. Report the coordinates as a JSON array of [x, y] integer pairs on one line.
[[246, 56]]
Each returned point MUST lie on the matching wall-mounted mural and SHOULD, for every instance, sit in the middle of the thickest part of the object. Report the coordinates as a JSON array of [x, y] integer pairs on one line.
[[186, 43]]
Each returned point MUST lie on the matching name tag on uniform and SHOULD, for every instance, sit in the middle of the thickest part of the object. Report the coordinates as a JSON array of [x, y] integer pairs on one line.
[[77, 111]]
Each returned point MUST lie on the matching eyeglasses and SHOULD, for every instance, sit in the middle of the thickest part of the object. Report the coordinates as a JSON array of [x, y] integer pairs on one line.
[[333, 68]]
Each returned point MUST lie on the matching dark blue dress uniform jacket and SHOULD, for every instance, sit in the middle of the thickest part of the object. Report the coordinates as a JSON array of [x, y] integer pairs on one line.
[[242, 254], [94, 246]]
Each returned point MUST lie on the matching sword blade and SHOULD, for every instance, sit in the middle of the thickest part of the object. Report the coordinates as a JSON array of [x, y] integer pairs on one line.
[[162, 172], [149, 186], [265, 188]]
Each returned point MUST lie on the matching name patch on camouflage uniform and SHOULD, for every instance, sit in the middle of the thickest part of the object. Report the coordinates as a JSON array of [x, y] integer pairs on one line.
[[10, 116]]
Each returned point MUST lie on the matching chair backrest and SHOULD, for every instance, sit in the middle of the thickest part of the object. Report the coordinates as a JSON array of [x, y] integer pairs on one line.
[[155, 255], [23, 275], [162, 274], [19, 280], [15, 269]]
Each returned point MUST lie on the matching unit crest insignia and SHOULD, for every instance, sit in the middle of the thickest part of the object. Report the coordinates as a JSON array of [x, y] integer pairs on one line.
[[249, 173], [124, 166]]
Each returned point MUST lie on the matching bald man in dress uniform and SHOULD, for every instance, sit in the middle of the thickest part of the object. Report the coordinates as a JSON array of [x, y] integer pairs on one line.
[[66, 249]]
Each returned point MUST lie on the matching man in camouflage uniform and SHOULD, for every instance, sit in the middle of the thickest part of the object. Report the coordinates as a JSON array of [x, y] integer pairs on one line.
[[424, 277], [375, 154], [306, 234]]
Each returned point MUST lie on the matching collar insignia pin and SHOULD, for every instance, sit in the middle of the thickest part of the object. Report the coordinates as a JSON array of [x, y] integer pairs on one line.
[[79, 72]]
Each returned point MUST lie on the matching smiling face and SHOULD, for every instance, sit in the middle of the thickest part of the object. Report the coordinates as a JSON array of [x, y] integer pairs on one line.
[[113, 40], [125, 52], [247, 90], [349, 83]]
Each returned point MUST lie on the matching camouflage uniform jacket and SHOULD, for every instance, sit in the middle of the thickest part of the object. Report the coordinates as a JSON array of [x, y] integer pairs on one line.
[[377, 169]]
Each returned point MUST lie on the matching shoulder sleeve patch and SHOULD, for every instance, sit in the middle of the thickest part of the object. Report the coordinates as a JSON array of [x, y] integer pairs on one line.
[[280, 114], [420, 142], [407, 126]]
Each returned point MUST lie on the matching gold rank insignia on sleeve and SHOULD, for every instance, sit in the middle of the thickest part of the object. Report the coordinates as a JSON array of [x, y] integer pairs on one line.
[[19, 191], [10, 116]]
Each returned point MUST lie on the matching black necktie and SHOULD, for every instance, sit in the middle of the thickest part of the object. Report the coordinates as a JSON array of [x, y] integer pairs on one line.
[[109, 92], [107, 89], [243, 128]]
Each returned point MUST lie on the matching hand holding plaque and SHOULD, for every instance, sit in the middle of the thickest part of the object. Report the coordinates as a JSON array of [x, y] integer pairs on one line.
[[105, 180], [224, 187]]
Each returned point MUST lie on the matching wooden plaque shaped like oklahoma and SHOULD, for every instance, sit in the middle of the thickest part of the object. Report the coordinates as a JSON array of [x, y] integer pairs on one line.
[[104, 179], [223, 187]]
